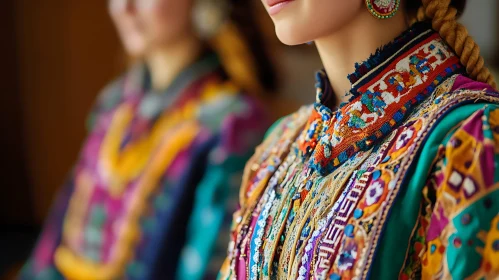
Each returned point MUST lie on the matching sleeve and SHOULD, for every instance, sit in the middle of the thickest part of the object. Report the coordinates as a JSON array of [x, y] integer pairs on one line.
[[462, 236], [40, 265], [217, 194]]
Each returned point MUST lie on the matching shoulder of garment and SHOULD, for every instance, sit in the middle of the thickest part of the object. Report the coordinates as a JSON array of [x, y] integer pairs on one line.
[[456, 177]]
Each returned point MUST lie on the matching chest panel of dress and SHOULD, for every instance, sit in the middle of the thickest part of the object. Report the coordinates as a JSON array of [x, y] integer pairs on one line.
[[113, 190], [346, 239]]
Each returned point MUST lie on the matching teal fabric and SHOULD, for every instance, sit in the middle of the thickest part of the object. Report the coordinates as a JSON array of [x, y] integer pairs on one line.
[[273, 126], [215, 192], [403, 217]]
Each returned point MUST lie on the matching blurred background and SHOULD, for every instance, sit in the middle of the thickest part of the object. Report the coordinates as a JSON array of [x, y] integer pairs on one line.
[[58, 54]]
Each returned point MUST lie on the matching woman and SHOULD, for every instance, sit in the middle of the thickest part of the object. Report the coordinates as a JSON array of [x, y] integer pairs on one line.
[[400, 180], [153, 190]]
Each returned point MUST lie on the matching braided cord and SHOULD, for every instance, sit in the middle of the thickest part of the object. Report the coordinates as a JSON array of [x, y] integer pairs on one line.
[[443, 17]]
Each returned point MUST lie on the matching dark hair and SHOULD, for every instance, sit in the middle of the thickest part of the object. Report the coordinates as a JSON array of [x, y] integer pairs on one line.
[[243, 16], [239, 44]]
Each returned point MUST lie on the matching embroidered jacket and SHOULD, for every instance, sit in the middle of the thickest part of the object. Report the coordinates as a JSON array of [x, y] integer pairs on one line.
[[156, 183], [400, 182]]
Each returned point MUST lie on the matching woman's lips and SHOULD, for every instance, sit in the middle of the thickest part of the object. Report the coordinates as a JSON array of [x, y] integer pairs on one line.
[[275, 6]]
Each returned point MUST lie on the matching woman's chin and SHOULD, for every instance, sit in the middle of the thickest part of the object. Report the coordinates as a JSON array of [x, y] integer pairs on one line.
[[289, 36], [134, 50]]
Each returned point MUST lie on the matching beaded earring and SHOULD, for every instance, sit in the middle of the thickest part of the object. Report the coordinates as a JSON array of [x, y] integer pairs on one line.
[[383, 9]]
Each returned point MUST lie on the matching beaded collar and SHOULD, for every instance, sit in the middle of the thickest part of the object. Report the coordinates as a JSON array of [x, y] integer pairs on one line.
[[385, 90]]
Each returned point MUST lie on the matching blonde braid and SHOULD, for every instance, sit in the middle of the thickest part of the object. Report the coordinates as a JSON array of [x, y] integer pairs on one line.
[[443, 17]]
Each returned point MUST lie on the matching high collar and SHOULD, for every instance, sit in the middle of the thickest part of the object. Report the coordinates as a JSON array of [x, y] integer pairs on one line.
[[151, 103], [385, 89]]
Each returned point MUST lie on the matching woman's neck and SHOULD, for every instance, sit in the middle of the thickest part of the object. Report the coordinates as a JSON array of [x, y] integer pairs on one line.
[[166, 63], [353, 43]]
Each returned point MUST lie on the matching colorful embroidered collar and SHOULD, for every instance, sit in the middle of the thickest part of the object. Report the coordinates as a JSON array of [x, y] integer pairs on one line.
[[385, 90], [135, 87]]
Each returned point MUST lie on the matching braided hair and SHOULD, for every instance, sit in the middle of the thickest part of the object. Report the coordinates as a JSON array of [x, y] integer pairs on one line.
[[443, 15]]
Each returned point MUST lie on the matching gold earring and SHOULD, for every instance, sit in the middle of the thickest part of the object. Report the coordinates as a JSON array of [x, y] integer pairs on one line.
[[383, 9]]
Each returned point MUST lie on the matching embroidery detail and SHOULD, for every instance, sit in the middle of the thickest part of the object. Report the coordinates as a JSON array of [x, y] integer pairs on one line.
[[382, 105]]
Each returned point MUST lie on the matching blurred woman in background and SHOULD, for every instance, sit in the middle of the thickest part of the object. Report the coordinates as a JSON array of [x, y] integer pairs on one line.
[[155, 184]]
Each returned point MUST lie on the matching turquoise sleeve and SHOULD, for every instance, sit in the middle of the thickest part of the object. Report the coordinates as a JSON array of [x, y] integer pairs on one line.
[[272, 127], [406, 211], [208, 230]]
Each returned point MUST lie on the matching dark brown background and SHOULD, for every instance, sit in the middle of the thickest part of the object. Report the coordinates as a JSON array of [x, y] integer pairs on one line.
[[56, 55]]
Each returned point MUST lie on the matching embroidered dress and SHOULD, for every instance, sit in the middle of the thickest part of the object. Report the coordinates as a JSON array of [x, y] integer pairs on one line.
[[399, 182], [153, 191]]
